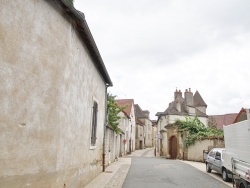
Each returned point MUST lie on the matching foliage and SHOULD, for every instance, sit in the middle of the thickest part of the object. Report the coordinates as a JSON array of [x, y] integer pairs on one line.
[[113, 111], [211, 122], [197, 130]]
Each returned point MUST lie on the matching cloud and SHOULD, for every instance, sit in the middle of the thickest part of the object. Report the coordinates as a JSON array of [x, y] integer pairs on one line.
[[150, 48]]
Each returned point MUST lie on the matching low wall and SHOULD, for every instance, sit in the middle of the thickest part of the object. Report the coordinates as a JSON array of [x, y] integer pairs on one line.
[[195, 152]]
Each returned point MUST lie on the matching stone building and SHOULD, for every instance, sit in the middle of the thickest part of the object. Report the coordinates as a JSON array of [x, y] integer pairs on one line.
[[143, 116], [53, 86], [130, 129], [188, 106]]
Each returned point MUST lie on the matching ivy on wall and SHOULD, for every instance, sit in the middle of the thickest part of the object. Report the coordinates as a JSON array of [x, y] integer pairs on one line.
[[197, 130]]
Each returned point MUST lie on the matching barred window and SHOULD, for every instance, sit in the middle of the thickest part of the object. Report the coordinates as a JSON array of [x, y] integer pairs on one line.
[[94, 124]]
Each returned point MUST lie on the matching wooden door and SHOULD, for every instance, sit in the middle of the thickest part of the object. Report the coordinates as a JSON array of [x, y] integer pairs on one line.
[[173, 147]]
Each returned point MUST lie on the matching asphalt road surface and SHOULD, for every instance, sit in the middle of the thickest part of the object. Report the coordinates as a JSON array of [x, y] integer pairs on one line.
[[149, 172]]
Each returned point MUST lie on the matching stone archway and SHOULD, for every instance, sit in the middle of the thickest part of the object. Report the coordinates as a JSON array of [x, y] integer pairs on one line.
[[173, 147]]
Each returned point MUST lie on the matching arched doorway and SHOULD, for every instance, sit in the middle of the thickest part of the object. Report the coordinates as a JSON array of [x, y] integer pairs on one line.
[[173, 147]]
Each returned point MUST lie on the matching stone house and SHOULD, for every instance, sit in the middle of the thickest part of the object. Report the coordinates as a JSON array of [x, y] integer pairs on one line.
[[53, 85], [140, 135], [191, 105], [130, 129], [123, 124], [114, 146], [154, 132], [143, 116]]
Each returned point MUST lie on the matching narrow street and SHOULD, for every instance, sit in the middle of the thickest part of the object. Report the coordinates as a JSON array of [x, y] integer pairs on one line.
[[149, 171]]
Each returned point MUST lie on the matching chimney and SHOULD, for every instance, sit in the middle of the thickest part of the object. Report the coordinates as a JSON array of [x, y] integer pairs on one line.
[[177, 98], [189, 101], [177, 94]]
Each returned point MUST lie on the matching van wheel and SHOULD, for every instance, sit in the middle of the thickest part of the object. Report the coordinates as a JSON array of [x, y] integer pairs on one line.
[[224, 175], [243, 184], [208, 168]]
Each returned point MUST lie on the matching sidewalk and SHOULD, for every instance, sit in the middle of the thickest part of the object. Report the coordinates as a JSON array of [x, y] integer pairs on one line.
[[115, 174]]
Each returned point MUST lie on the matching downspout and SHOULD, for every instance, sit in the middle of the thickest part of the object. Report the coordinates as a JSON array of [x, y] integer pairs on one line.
[[104, 129]]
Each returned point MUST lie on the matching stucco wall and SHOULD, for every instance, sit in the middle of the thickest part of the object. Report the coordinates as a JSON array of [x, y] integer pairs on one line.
[[47, 86], [195, 152], [124, 125], [139, 144], [173, 118], [133, 128], [149, 138]]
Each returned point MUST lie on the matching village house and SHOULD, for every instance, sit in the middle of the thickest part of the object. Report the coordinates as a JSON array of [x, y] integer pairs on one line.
[[140, 135], [154, 132], [143, 116], [168, 136], [124, 122], [129, 110], [53, 90]]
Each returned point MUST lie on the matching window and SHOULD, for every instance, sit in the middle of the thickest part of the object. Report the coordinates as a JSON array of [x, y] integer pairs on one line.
[[94, 124], [212, 153]]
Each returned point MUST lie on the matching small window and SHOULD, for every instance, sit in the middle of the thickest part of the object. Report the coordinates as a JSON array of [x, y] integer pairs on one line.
[[212, 153], [94, 124]]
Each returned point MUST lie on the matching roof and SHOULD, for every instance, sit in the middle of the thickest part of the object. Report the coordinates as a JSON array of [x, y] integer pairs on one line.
[[139, 112], [242, 115], [79, 23], [171, 110], [198, 100], [127, 103], [220, 120], [139, 122]]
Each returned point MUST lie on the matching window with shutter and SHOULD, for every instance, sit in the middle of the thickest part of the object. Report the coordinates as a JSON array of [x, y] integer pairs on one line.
[[94, 124]]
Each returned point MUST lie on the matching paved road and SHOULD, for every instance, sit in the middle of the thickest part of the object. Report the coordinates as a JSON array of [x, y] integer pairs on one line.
[[149, 172]]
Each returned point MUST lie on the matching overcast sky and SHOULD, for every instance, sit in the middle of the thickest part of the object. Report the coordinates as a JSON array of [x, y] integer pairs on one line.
[[150, 48]]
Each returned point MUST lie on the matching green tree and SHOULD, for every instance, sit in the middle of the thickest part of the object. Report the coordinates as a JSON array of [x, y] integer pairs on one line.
[[113, 111], [197, 130]]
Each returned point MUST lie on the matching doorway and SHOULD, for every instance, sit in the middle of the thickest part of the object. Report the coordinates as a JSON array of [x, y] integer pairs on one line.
[[173, 147]]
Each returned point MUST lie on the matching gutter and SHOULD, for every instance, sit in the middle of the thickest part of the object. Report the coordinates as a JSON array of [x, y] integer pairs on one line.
[[104, 131]]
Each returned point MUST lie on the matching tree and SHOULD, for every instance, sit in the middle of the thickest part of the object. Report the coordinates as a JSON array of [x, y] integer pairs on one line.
[[113, 111], [197, 130]]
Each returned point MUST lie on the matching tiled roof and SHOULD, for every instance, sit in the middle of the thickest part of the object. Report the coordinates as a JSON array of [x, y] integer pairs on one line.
[[139, 122], [221, 120], [171, 110], [242, 115], [198, 100], [127, 103], [139, 112]]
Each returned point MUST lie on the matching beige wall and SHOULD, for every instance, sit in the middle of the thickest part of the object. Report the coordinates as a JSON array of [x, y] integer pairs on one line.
[[148, 132], [195, 152], [47, 86], [124, 126], [139, 137]]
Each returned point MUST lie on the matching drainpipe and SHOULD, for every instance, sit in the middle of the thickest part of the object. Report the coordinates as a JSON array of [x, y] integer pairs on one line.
[[104, 130]]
